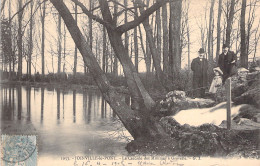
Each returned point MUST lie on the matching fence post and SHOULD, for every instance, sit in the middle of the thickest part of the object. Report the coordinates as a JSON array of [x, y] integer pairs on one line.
[[228, 88]]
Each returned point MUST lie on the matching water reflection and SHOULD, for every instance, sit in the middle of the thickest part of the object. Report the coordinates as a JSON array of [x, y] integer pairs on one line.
[[19, 98], [65, 121], [28, 99], [39, 104], [58, 104], [42, 103], [74, 106]]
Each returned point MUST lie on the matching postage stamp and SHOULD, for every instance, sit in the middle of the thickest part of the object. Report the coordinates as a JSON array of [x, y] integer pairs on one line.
[[18, 149]]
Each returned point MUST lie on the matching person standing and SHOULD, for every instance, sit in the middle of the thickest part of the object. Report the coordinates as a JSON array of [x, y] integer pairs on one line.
[[199, 66], [217, 80], [227, 62]]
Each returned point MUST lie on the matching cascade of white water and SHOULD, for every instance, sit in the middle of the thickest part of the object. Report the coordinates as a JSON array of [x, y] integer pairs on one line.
[[213, 115]]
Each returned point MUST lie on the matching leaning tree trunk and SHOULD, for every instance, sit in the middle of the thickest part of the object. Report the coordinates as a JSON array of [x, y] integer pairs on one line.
[[138, 93], [138, 123]]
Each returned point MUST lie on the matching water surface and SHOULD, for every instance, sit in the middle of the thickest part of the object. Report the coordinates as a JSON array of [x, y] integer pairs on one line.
[[66, 122]]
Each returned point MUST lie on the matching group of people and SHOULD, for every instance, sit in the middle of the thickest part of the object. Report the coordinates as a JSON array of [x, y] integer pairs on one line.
[[226, 68]]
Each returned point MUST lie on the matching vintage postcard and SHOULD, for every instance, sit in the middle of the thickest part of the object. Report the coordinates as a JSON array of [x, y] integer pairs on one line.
[[129, 82]]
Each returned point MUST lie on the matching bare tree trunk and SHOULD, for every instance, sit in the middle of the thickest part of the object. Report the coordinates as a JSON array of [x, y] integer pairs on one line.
[[115, 62], [20, 40], [256, 40], [136, 41], [64, 49], [210, 35], [159, 33], [148, 52], [126, 35], [90, 32], [30, 42], [43, 37], [243, 50], [188, 38], [250, 21], [165, 40], [104, 50], [76, 49], [218, 29], [11, 48], [230, 21], [59, 44], [175, 17]]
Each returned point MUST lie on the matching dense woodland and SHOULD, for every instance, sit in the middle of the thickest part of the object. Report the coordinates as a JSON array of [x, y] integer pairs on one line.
[[110, 38]]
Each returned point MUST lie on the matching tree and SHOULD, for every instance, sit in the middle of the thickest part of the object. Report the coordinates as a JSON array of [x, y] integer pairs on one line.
[[138, 120], [30, 42], [64, 48], [165, 39], [136, 41], [59, 44], [76, 49], [90, 32], [126, 35], [104, 62], [174, 38], [159, 35], [43, 36], [20, 40], [210, 36], [148, 52], [218, 29], [230, 18], [115, 64], [243, 49]]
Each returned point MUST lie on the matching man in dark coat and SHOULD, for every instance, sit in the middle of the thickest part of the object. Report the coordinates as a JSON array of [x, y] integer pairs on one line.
[[199, 66], [227, 62]]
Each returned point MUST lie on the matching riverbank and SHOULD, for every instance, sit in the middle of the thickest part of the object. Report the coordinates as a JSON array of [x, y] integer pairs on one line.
[[60, 85]]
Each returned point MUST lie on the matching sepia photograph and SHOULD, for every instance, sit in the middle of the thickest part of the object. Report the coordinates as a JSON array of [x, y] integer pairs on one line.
[[129, 82]]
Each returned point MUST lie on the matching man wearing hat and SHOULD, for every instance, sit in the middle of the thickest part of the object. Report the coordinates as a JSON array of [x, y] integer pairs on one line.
[[199, 66], [227, 62]]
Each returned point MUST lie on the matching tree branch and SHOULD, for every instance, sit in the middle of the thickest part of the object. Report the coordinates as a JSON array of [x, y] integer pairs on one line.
[[20, 9], [3, 5], [132, 24], [90, 15]]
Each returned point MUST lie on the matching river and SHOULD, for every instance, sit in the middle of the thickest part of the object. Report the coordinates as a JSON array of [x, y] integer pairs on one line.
[[66, 122]]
